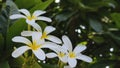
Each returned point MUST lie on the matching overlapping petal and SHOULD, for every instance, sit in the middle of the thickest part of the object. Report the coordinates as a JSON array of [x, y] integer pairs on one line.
[[51, 55], [84, 58], [27, 33], [36, 26], [79, 48], [64, 59], [25, 11], [21, 40], [50, 45], [47, 19], [49, 29], [16, 16], [72, 62], [67, 42], [16, 53], [54, 39], [36, 37], [38, 12], [30, 22], [39, 54]]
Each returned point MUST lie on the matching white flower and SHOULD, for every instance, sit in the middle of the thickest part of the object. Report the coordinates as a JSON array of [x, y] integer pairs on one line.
[[76, 53], [45, 35], [60, 52], [35, 46], [30, 19]]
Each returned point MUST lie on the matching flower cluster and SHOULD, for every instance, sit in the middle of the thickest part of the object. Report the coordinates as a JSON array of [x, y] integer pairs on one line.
[[42, 39]]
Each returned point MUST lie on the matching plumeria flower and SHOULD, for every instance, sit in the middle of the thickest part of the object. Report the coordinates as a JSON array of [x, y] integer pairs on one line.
[[76, 53], [30, 19], [45, 34], [60, 52], [36, 46]]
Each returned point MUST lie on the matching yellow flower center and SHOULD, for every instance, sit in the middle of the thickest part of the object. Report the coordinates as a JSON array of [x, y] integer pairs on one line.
[[61, 54], [44, 35], [34, 46], [72, 55], [31, 17]]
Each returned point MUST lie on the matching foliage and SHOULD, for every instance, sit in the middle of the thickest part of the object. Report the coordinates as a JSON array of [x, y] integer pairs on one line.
[[93, 21]]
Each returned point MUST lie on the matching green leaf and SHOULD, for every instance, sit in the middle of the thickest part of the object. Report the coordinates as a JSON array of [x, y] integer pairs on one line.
[[96, 25], [16, 62], [16, 29], [13, 7], [1, 44], [38, 1], [4, 20], [63, 16], [1, 40], [25, 3], [42, 24], [48, 65], [41, 6], [4, 65], [98, 39], [116, 19]]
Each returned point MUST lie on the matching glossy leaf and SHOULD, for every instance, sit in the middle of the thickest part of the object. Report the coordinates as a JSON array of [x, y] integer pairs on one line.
[[42, 6]]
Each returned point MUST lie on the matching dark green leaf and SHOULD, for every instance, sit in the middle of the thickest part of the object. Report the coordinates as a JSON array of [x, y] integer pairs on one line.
[[96, 25], [16, 29], [48, 65], [42, 6], [1, 44], [98, 39], [25, 3], [116, 18], [13, 7], [4, 65]]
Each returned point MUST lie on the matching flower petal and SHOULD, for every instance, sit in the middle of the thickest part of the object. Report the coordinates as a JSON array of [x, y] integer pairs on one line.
[[36, 26], [51, 55], [84, 58], [64, 59], [72, 62], [38, 12], [49, 29], [25, 11], [79, 48], [27, 33], [50, 45], [36, 37], [21, 40], [44, 18], [67, 42], [54, 39], [30, 22], [39, 54], [16, 16], [16, 53]]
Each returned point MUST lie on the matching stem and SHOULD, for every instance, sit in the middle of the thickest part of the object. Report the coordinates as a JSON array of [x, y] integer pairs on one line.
[[32, 56], [24, 64], [61, 64], [29, 27]]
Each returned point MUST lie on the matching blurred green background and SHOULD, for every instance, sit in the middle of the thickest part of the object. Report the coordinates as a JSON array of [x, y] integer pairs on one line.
[[96, 22]]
